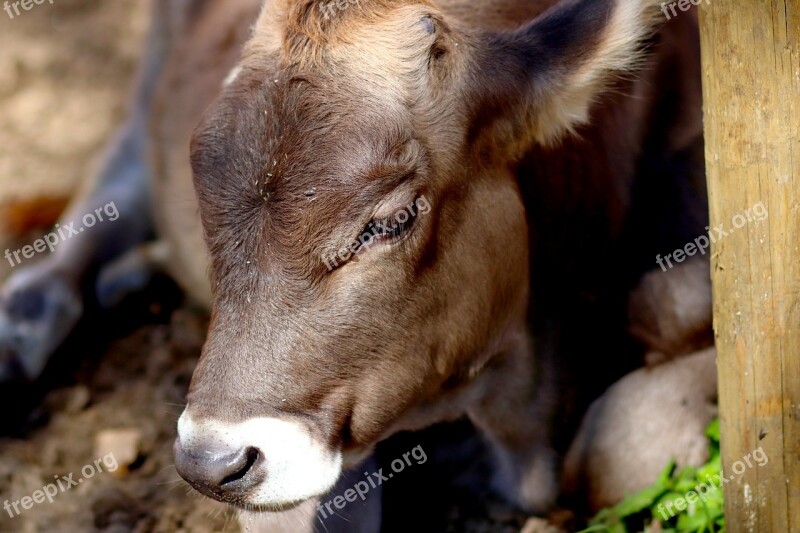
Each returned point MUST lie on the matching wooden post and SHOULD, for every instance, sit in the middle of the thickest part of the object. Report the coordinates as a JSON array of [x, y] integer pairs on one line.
[[751, 91]]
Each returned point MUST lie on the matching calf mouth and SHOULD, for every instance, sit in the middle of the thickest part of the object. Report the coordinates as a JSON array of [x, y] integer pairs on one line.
[[262, 464]]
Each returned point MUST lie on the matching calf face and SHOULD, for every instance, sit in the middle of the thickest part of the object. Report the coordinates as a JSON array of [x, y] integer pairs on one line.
[[367, 238]]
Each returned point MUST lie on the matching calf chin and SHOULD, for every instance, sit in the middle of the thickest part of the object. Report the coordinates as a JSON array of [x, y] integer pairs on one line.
[[359, 516]]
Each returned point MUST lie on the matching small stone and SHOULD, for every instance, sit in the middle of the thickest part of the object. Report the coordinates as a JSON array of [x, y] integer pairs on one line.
[[539, 525], [123, 444]]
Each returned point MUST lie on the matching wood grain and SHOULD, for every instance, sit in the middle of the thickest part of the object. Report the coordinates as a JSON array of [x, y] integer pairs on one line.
[[751, 78]]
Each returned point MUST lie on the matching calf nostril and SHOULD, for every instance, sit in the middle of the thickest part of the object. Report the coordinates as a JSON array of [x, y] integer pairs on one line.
[[247, 459], [225, 475]]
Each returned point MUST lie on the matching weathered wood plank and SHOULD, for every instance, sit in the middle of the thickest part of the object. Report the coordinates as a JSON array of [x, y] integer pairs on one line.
[[751, 78]]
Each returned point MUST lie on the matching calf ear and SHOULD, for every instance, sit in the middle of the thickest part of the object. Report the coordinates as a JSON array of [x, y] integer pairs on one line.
[[537, 83]]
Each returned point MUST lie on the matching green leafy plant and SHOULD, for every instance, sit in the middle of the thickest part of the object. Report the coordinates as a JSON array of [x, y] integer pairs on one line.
[[663, 506]]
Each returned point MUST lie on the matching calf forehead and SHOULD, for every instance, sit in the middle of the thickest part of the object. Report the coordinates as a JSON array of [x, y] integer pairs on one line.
[[283, 157], [380, 44], [276, 141], [390, 55]]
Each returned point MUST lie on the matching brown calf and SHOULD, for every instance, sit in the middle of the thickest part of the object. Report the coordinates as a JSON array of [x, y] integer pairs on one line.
[[401, 229]]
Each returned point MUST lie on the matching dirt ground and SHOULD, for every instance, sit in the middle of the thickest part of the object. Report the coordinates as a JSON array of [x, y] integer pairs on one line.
[[65, 69]]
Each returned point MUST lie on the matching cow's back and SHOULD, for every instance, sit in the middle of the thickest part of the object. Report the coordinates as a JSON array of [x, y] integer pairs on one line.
[[206, 38], [602, 205]]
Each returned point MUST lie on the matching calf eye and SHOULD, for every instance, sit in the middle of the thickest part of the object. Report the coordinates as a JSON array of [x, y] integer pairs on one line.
[[390, 229]]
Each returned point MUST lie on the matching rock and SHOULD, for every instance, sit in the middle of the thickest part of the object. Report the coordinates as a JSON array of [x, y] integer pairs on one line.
[[539, 525], [122, 444]]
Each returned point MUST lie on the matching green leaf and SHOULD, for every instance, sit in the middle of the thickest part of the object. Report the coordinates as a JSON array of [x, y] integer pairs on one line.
[[705, 515], [668, 509], [693, 522], [640, 501], [712, 431], [666, 475], [618, 528], [709, 472], [592, 529]]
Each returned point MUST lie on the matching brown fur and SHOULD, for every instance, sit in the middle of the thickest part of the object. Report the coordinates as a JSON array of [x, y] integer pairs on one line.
[[671, 311], [518, 299], [323, 121]]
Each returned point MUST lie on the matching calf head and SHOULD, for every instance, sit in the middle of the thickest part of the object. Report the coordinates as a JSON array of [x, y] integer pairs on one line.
[[368, 242]]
